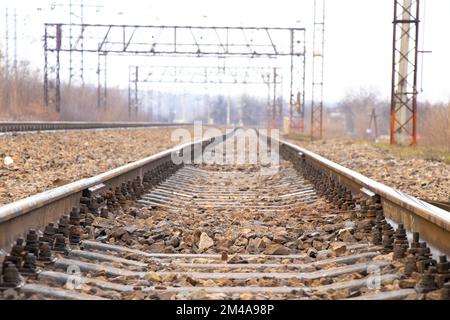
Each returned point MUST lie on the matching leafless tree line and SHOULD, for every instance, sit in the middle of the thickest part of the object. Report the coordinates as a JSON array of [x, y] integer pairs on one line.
[[21, 98], [352, 117]]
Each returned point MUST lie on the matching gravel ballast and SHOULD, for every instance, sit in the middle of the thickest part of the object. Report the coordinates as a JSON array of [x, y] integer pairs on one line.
[[34, 162], [418, 177]]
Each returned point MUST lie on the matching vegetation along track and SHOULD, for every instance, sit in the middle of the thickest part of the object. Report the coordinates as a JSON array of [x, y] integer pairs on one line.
[[152, 229]]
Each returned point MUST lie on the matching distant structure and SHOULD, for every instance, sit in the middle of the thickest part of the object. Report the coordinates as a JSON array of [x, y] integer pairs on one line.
[[317, 70], [183, 41], [404, 72], [7, 38], [76, 36], [206, 75], [373, 119]]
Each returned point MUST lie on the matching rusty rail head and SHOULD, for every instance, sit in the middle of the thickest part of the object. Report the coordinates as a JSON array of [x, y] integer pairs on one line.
[[22, 206], [432, 222]]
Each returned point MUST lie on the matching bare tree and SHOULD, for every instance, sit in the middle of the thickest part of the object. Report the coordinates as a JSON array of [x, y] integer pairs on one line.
[[252, 110], [358, 108]]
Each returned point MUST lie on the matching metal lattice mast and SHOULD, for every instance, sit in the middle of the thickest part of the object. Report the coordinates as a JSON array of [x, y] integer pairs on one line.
[[76, 39], [133, 97], [102, 88], [127, 40], [404, 72], [15, 74], [317, 72], [15, 44], [7, 68], [7, 42], [297, 93], [268, 107], [276, 112], [52, 66]]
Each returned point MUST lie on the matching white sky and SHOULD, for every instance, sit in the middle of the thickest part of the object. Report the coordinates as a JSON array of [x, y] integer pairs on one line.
[[358, 49]]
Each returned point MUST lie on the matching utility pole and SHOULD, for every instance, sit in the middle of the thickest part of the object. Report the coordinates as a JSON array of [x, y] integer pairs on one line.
[[317, 72], [274, 110], [150, 103], [158, 108], [183, 107], [373, 118], [73, 75], [228, 109], [136, 91], [15, 43], [132, 88], [102, 88], [266, 79], [76, 38], [14, 89], [6, 42], [7, 86], [404, 72], [208, 109]]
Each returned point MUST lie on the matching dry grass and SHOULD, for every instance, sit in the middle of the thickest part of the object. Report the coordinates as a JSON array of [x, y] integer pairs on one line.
[[297, 136], [441, 154], [350, 119], [434, 126]]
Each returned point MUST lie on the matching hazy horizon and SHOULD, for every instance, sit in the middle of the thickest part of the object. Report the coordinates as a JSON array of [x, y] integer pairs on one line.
[[358, 47]]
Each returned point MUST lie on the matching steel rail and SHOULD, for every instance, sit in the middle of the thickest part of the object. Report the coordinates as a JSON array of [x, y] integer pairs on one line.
[[40, 209], [431, 222], [20, 126], [95, 256]]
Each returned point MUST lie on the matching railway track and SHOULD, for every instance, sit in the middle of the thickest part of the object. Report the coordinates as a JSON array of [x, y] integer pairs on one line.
[[309, 229], [22, 126]]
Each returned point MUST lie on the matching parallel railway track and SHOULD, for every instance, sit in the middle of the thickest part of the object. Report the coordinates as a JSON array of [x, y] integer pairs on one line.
[[22, 126], [311, 229]]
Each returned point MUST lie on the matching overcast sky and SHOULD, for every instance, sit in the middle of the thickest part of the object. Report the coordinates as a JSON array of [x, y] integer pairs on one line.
[[358, 48]]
